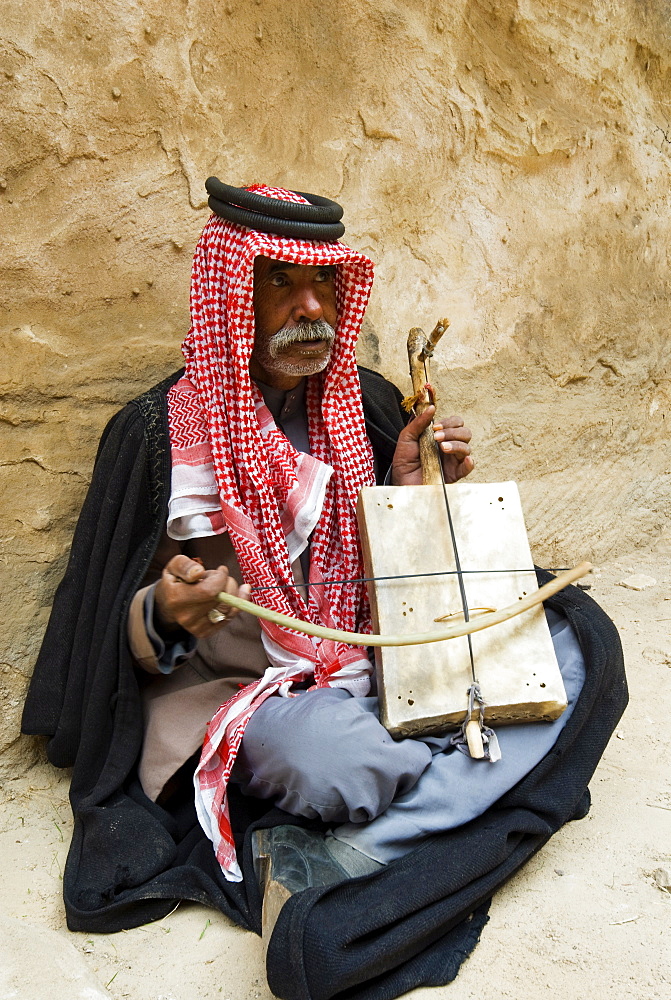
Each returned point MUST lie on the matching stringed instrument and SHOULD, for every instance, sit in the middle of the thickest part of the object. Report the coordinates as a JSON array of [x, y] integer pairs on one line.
[[445, 553]]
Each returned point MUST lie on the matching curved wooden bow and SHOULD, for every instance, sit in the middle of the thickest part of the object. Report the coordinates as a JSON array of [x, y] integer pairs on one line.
[[417, 638]]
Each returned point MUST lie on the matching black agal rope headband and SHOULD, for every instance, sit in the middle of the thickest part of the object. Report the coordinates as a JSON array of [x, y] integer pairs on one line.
[[320, 220]]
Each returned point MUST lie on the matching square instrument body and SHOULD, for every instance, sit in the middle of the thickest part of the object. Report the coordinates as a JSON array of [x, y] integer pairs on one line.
[[423, 689]]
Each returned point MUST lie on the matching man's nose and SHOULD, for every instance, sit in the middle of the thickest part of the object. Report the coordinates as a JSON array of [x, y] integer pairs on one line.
[[307, 307]]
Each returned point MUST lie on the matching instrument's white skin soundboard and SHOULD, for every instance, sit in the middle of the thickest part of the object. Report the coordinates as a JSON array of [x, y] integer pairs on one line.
[[423, 689]]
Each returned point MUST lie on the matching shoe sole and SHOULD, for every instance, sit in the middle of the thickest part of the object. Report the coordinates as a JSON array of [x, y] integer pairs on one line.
[[275, 894]]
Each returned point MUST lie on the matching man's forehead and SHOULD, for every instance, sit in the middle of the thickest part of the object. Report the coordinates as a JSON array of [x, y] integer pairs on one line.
[[270, 265], [279, 265]]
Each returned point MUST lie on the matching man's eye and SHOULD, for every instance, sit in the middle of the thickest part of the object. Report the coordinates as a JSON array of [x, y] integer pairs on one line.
[[278, 280], [325, 274]]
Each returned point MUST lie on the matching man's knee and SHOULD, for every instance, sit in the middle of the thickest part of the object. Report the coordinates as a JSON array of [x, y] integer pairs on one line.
[[324, 754]]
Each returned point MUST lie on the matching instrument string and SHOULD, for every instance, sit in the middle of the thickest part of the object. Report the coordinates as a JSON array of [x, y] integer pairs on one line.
[[405, 576], [457, 562], [455, 549]]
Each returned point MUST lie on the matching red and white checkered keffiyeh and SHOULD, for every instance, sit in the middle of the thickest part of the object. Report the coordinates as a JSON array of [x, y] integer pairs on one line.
[[234, 471]]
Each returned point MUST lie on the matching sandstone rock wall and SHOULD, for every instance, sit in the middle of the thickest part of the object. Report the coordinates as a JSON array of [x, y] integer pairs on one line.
[[506, 163]]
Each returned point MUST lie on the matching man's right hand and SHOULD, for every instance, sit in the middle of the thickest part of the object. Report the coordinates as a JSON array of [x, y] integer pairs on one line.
[[187, 592]]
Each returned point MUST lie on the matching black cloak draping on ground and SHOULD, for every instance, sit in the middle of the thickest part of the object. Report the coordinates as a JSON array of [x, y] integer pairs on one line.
[[410, 924]]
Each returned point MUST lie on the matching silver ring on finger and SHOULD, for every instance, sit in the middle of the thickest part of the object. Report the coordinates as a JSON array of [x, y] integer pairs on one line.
[[216, 616]]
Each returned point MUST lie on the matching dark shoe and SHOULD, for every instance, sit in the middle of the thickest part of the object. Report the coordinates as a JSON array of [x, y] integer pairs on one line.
[[288, 859]]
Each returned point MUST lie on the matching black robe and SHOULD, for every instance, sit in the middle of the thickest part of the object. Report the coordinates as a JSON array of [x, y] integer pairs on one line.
[[410, 924]]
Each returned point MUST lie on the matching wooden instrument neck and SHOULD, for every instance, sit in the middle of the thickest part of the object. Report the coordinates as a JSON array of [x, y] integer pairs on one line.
[[420, 350]]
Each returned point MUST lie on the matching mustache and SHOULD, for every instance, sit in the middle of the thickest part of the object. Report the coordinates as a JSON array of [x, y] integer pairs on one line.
[[318, 330]]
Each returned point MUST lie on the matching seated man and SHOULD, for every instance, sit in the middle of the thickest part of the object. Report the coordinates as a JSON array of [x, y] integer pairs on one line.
[[242, 474]]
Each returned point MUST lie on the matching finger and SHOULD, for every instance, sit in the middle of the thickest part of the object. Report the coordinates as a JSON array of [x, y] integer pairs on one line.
[[414, 429], [453, 421], [229, 587], [453, 434], [186, 603], [451, 427], [463, 469], [221, 614], [244, 591], [455, 448], [214, 581], [184, 570]]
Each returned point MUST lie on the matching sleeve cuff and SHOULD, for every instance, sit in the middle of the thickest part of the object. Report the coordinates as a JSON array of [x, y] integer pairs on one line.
[[153, 652]]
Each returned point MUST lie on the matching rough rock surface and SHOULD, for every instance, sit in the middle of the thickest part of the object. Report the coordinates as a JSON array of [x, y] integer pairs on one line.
[[506, 163]]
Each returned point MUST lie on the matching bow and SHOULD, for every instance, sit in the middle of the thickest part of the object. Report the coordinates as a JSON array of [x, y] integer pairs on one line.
[[413, 638]]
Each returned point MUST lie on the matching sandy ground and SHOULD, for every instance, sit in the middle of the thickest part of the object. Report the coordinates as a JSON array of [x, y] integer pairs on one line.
[[586, 917]]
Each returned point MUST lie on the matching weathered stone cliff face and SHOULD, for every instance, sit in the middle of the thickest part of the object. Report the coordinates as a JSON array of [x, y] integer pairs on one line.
[[506, 163]]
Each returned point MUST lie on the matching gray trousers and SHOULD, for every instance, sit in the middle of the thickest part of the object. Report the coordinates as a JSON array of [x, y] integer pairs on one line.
[[324, 754]]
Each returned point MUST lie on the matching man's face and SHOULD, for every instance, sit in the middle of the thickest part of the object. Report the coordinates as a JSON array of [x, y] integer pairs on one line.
[[295, 316]]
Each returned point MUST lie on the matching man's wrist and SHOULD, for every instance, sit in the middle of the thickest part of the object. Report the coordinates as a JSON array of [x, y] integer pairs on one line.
[[171, 642], [157, 623], [163, 625]]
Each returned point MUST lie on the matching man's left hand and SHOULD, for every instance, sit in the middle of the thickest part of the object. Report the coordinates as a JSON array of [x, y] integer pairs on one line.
[[453, 439]]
